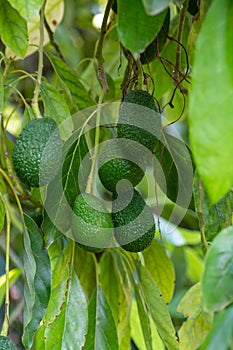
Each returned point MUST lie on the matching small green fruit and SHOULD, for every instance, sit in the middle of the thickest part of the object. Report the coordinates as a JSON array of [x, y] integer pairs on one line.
[[133, 221], [37, 152], [92, 225], [6, 343]]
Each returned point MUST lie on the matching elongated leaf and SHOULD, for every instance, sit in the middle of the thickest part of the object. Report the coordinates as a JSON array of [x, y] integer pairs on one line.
[[218, 272], [153, 7], [37, 286], [136, 29], [27, 9], [54, 103], [195, 329], [161, 269], [1, 91], [13, 29], [212, 218], [6, 343], [102, 333], [158, 308], [2, 214], [71, 80], [211, 97], [13, 276], [65, 321], [221, 335]]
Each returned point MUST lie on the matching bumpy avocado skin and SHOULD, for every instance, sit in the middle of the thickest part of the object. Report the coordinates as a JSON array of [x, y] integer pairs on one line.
[[34, 168], [6, 343], [135, 122], [92, 225], [132, 218]]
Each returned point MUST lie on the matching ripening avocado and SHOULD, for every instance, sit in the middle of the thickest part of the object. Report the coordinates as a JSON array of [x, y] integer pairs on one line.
[[133, 221], [139, 119], [121, 160], [37, 152], [92, 225]]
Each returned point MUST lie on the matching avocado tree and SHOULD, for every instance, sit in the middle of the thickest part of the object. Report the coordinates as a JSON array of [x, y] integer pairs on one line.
[[116, 174]]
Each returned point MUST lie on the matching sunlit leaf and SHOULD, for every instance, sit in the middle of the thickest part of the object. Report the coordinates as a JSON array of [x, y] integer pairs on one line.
[[13, 276], [37, 285], [211, 101], [27, 9], [13, 29], [218, 272], [161, 269], [136, 29]]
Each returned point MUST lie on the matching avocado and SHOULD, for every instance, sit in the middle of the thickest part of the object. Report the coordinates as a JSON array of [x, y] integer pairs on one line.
[[121, 160], [139, 119], [6, 343], [92, 225], [36, 161], [133, 221]]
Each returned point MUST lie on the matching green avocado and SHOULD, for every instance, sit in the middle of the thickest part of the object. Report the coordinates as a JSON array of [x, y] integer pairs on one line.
[[92, 225], [121, 160], [36, 161], [139, 119], [133, 221], [6, 343]]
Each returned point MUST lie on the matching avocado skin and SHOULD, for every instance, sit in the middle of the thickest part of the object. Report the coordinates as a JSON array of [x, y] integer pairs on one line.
[[124, 214], [6, 343], [28, 151], [91, 222], [132, 119]]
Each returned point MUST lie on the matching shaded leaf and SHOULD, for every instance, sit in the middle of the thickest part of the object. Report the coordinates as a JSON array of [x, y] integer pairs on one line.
[[27, 9], [195, 329], [37, 284], [218, 273], [13, 276], [13, 29], [158, 308], [136, 29], [160, 268], [2, 213], [211, 97], [153, 7], [221, 335], [72, 82], [102, 333]]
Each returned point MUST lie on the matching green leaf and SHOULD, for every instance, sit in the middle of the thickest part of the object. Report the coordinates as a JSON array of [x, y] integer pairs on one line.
[[37, 284], [102, 333], [158, 308], [160, 268], [212, 218], [1, 90], [218, 272], [194, 265], [136, 29], [6, 344], [27, 9], [211, 97], [66, 317], [195, 329], [54, 103], [13, 29], [153, 7], [2, 214], [13, 276], [221, 335], [72, 82]]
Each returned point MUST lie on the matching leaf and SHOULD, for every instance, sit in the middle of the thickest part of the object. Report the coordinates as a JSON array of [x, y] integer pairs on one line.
[[153, 7], [194, 265], [136, 29], [72, 82], [160, 268], [13, 276], [212, 217], [54, 103], [13, 29], [1, 90], [211, 97], [195, 329], [221, 335], [6, 343], [102, 333], [66, 317], [218, 273], [2, 213], [157, 308], [37, 284], [27, 9]]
